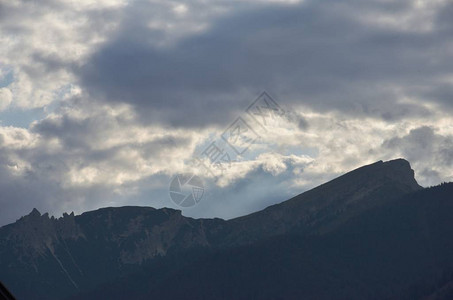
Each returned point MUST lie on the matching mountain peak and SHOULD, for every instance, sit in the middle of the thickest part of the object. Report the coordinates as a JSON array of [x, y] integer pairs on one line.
[[35, 213], [398, 170], [397, 163], [329, 205]]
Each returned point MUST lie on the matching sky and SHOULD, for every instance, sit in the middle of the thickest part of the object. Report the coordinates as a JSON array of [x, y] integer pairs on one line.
[[103, 103]]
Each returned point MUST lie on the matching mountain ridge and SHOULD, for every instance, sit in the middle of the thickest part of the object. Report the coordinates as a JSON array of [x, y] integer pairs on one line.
[[100, 246], [402, 162]]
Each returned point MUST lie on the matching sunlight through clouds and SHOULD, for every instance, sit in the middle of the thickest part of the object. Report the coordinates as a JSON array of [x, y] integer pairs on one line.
[[114, 98]]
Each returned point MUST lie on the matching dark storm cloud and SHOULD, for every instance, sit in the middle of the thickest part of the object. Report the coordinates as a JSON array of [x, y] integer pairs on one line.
[[419, 144], [425, 148], [21, 192], [89, 135], [444, 19], [318, 54]]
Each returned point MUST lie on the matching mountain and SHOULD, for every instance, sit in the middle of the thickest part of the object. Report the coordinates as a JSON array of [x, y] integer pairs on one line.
[[58, 257], [373, 233], [327, 206]]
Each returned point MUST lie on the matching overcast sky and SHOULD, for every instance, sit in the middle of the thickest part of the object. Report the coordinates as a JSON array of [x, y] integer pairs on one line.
[[103, 102]]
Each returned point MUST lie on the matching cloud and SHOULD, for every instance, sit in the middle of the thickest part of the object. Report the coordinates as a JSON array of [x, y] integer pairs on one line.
[[430, 152], [87, 155], [5, 98], [122, 94], [324, 55], [42, 44]]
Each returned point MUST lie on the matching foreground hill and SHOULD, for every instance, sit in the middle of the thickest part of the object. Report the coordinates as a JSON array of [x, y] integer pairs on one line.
[[373, 233]]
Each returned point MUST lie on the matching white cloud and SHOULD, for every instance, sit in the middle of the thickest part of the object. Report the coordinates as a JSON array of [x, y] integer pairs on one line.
[[88, 151], [43, 42], [5, 98]]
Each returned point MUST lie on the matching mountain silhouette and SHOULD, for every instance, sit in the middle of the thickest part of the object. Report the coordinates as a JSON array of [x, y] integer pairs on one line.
[[372, 233]]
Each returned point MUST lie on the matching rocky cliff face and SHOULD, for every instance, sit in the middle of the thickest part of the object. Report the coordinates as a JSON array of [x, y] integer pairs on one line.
[[59, 257], [35, 233], [75, 252]]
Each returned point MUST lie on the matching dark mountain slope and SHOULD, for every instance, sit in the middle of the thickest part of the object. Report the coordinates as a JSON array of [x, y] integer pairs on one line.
[[401, 250], [329, 205], [48, 258]]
